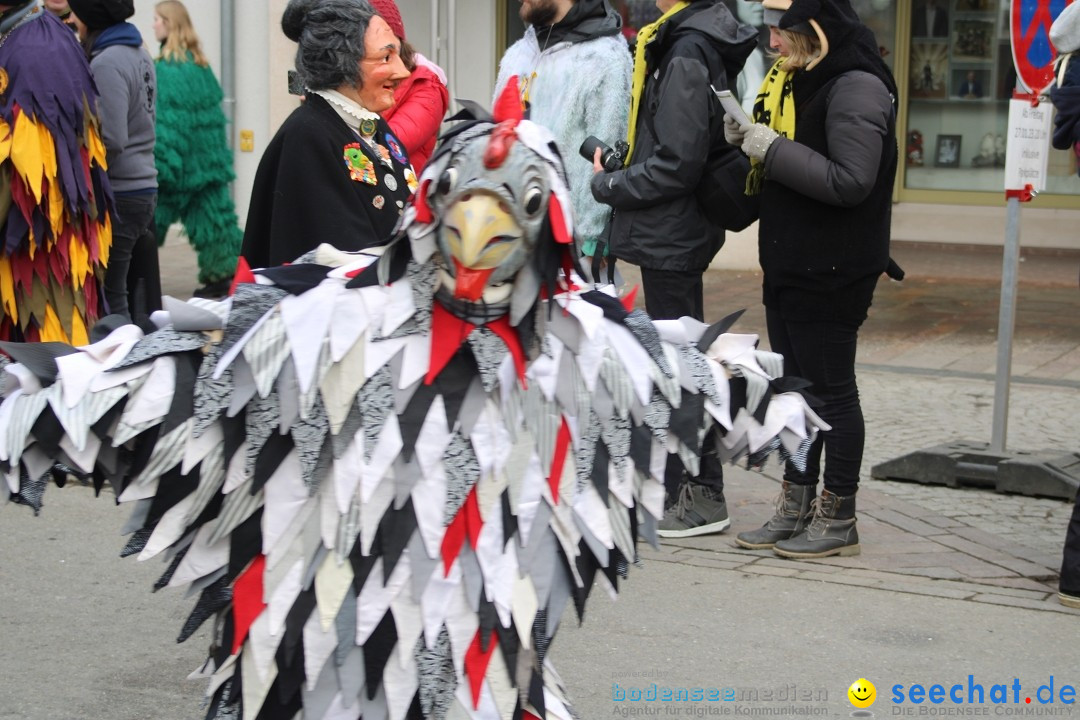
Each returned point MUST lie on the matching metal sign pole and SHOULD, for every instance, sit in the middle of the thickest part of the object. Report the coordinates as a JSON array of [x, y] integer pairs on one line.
[[1010, 267]]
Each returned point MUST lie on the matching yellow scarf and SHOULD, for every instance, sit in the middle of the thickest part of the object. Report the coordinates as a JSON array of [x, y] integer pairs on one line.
[[774, 106], [644, 35]]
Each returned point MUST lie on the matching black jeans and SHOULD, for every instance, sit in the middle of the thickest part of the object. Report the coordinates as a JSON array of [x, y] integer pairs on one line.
[[132, 235], [669, 295], [823, 352], [1070, 561]]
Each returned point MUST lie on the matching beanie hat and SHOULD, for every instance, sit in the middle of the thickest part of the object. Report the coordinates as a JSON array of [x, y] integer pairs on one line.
[[388, 11], [1065, 32], [771, 17], [99, 14]]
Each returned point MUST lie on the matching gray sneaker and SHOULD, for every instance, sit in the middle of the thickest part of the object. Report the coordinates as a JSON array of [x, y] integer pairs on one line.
[[698, 511]]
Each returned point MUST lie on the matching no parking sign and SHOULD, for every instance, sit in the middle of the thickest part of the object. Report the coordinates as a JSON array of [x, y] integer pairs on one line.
[[1029, 34]]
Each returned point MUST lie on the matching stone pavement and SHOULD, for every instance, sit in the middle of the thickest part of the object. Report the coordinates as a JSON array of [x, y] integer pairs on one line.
[[926, 368], [926, 364]]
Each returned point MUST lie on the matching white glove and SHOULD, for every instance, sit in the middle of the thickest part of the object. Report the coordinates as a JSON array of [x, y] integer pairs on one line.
[[757, 141], [733, 132]]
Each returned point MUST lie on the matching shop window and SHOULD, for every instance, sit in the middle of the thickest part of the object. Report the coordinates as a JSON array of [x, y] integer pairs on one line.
[[959, 82]]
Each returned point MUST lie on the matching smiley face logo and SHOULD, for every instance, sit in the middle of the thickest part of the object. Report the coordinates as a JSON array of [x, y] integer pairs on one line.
[[862, 693]]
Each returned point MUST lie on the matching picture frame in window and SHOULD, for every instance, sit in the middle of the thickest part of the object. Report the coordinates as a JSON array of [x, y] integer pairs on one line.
[[971, 84], [929, 69], [947, 151], [973, 39]]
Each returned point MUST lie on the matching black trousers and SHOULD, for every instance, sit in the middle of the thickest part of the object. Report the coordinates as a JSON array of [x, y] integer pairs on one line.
[[823, 352], [1070, 561], [132, 279], [669, 295]]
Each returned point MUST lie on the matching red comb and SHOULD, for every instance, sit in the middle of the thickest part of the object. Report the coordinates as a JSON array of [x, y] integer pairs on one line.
[[508, 106]]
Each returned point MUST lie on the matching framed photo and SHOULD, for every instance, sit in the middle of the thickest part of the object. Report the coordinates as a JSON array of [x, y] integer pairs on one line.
[[971, 83], [929, 69], [947, 152], [929, 19], [973, 40]]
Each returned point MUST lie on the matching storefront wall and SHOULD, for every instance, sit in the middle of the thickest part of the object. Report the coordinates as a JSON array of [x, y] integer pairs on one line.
[[951, 124], [953, 196]]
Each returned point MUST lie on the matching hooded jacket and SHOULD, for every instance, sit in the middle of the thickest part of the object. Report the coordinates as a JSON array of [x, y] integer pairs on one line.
[[658, 223], [826, 204], [126, 79], [578, 84]]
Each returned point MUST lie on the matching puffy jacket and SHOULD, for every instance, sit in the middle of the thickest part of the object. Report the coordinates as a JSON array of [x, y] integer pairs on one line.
[[826, 204], [658, 223], [420, 103]]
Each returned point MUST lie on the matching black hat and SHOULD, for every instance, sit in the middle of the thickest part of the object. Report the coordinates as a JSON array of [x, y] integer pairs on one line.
[[99, 14]]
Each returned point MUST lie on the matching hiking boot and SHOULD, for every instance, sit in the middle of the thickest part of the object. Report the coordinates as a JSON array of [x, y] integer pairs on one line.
[[1069, 599], [214, 289], [831, 530], [791, 516], [699, 510]]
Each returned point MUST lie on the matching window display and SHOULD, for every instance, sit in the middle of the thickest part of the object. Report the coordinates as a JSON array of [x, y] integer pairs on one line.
[[960, 79]]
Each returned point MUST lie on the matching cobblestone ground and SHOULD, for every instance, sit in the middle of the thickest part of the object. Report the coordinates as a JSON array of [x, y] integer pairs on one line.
[[907, 412]]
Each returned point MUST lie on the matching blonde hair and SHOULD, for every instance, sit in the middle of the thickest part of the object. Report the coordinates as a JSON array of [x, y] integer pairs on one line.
[[804, 49], [180, 38]]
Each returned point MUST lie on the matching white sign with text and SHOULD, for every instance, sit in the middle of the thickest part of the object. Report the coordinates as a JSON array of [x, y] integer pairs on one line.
[[1028, 146]]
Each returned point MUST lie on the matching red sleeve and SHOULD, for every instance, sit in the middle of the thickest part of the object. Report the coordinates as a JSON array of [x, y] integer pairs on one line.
[[419, 113]]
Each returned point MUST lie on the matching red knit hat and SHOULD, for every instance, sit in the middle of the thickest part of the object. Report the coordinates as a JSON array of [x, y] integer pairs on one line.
[[388, 11]]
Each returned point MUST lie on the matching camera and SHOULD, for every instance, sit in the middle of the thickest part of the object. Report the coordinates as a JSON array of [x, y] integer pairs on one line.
[[611, 158]]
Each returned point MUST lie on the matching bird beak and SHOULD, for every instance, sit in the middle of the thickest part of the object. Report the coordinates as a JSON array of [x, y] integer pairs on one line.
[[480, 233]]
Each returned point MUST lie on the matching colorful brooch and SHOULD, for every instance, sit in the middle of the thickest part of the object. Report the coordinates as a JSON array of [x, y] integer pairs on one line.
[[395, 149], [360, 167]]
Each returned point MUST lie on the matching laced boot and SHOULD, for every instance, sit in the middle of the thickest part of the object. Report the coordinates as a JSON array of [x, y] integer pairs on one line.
[[792, 515], [699, 510], [831, 530]]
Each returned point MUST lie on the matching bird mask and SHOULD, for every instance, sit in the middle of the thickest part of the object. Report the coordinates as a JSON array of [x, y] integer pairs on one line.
[[493, 204]]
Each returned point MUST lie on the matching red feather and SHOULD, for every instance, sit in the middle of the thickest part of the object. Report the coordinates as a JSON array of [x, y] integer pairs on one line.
[[243, 274], [476, 663], [247, 600], [508, 106], [558, 221]]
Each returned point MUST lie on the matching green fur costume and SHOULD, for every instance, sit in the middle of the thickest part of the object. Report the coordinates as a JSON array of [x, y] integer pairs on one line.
[[195, 167]]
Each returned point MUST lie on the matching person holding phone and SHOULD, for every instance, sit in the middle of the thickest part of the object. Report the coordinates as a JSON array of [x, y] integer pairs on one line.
[[823, 155]]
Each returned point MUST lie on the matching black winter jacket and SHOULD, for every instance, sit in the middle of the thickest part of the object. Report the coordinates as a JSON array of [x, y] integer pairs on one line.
[[826, 207], [658, 223], [823, 237]]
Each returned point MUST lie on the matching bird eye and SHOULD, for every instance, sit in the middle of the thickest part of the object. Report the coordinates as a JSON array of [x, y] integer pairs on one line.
[[534, 198], [447, 181]]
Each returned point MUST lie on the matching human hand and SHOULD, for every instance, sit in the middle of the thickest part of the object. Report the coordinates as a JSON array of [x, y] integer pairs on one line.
[[596, 166], [757, 141], [733, 132]]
